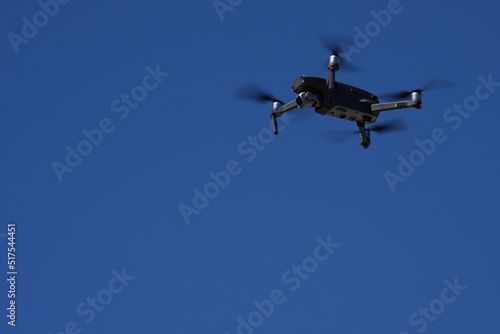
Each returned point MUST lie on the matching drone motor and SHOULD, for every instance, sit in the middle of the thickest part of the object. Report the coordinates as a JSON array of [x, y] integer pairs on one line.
[[334, 62]]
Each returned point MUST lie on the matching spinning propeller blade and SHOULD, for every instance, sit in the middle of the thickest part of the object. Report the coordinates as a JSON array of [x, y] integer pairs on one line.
[[251, 91], [433, 84], [391, 126], [337, 45], [340, 136]]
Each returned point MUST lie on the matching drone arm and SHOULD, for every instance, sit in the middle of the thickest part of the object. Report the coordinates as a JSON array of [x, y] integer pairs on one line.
[[285, 108], [378, 107]]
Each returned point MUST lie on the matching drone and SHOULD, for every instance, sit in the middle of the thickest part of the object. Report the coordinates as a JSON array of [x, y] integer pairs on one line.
[[333, 98]]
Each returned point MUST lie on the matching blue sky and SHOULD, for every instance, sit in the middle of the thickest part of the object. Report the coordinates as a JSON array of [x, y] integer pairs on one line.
[[297, 234]]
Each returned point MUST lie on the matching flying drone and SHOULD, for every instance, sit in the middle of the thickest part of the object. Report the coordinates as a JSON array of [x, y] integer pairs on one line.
[[333, 98]]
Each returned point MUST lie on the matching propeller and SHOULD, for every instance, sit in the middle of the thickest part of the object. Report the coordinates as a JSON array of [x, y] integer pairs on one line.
[[250, 91], [391, 126], [433, 84], [340, 136], [337, 45]]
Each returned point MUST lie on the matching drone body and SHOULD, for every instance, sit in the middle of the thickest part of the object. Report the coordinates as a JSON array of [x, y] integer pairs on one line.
[[336, 99], [345, 101]]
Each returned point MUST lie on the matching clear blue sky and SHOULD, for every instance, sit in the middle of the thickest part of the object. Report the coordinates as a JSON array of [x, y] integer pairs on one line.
[[300, 235]]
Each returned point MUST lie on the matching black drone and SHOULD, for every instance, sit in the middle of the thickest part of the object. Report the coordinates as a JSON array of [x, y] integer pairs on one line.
[[336, 99]]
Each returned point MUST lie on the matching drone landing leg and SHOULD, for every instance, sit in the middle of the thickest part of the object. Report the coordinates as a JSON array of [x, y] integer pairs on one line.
[[364, 134], [275, 123]]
